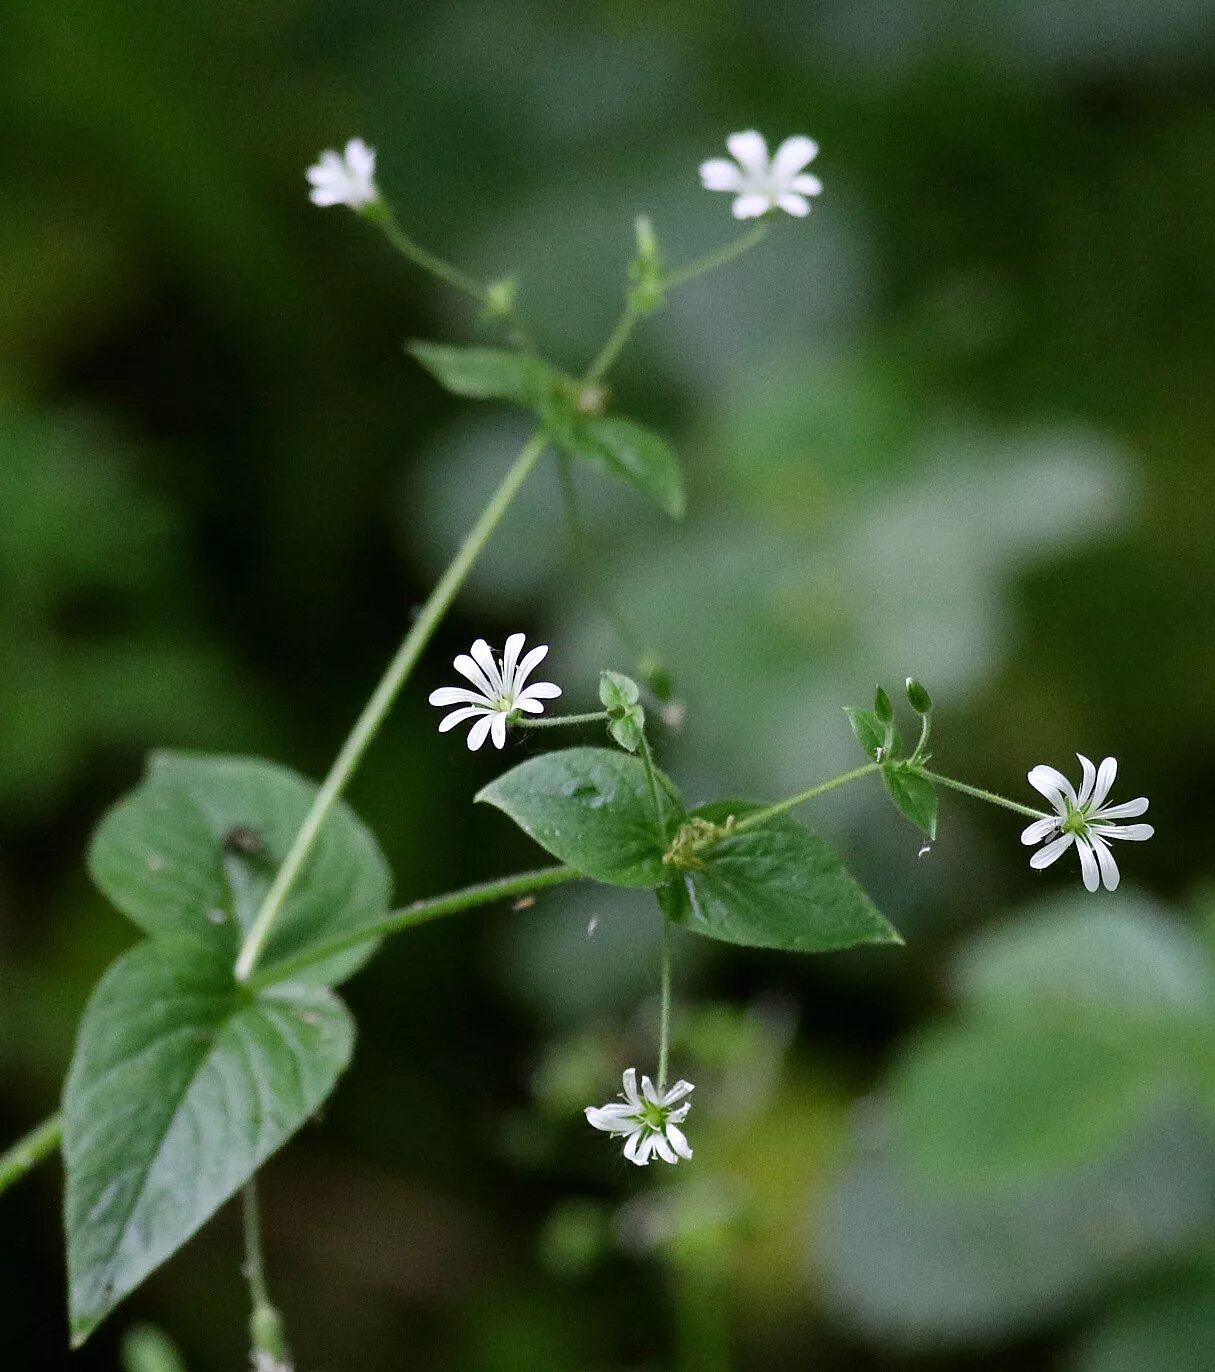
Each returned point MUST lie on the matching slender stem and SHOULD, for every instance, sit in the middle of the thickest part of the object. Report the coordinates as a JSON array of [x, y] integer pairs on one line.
[[979, 794], [266, 1333], [759, 816], [374, 712], [922, 743], [611, 350], [420, 912], [555, 720], [28, 1152], [651, 777], [383, 218], [664, 1023], [700, 265], [255, 1262]]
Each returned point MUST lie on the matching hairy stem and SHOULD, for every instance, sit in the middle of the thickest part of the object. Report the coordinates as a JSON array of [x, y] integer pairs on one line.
[[554, 721], [711, 261], [664, 1022], [979, 794], [821, 789], [420, 912], [376, 709], [28, 1152]]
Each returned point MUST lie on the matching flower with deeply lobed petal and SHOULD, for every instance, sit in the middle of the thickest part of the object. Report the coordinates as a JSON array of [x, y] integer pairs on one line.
[[648, 1120], [501, 689], [346, 178], [1083, 819], [760, 183]]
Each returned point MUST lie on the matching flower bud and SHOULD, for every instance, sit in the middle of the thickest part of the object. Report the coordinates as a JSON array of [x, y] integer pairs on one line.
[[918, 697]]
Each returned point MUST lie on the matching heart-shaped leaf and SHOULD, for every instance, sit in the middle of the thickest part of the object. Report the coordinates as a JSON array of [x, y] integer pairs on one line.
[[774, 886], [592, 808], [181, 1085], [191, 852]]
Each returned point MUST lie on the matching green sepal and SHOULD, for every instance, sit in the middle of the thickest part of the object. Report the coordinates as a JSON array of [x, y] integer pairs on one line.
[[913, 795]]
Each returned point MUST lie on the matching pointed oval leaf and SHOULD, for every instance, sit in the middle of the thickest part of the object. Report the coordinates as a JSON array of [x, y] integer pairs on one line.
[[914, 796], [181, 1086], [192, 850], [592, 808], [628, 450], [486, 373], [775, 886]]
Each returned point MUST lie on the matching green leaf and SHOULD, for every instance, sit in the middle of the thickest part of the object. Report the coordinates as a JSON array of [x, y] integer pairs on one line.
[[620, 696], [996, 1105], [774, 886], [627, 450], [882, 707], [914, 796], [592, 808], [181, 1086], [486, 373], [1170, 1325], [869, 730], [191, 852], [147, 1349]]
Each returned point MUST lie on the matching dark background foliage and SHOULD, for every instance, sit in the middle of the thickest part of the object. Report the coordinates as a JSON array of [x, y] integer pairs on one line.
[[957, 424]]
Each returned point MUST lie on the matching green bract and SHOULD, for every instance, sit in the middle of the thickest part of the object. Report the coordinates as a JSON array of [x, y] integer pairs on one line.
[[914, 796], [620, 697]]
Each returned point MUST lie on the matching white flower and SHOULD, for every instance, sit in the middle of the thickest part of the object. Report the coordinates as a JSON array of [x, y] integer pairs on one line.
[[344, 179], [1083, 819], [649, 1121], [501, 689], [760, 183]]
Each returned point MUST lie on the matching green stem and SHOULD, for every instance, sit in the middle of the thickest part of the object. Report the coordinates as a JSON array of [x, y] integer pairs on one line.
[[266, 1333], [376, 709], [759, 816], [664, 1023], [28, 1152], [979, 794], [711, 261], [383, 218], [420, 912], [651, 777], [611, 350], [555, 720]]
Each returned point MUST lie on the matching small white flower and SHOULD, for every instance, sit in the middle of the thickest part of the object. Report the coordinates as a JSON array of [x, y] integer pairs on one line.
[[1083, 819], [650, 1121], [501, 689], [760, 183], [344, 178]]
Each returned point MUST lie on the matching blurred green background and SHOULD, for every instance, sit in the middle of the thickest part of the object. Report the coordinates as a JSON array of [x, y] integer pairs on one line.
[[956, 424]]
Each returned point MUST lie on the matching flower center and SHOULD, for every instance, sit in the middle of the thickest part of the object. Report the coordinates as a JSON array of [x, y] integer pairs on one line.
[[1076, 821], [653, 1116]]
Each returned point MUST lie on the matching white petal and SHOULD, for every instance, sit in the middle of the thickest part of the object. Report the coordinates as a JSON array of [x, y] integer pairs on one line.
[[531, 660], [658, 1142], [793, 155], [528, 705], [1105, 779], [459, 716], [483, 654], [514, 646], [677, 1092], [637, 1148], [720, 175], [1045, 856], [328, 169], [1127, 810], [1038, 830], [539, 690], [806, 184], [476, 735], [457, 695], [1088, 778], [360, 158], [1137, 833], [630, 1088], [750, 151], [497, 730], [1105, 861], [468, 668], [1051, 783], [679, 1141], [647, 1090], [1088, 864], [751, 206], [612, 1119], [796, 205], [679, 1114]]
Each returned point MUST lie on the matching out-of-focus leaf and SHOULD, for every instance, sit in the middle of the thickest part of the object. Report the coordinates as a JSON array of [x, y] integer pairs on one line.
[[147, 1349], [774, 886], [181, 1085], [190, 853], [487, 373], [629, 451], [1169, 1327]]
